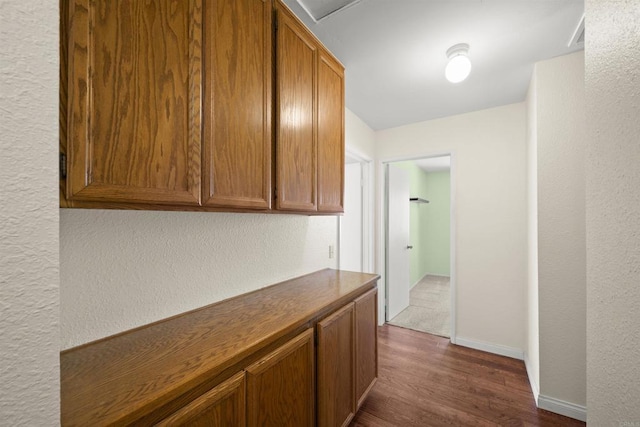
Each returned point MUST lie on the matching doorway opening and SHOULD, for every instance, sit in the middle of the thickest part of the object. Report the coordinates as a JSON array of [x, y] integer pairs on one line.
[[355, 226], [418, 244]]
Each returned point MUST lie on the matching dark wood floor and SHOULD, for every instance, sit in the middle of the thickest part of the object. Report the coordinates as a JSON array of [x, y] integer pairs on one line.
[[424, 380]]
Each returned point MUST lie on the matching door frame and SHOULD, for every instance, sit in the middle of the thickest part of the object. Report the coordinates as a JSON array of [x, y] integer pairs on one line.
[[382, 231], [368, 229], [387, 262]]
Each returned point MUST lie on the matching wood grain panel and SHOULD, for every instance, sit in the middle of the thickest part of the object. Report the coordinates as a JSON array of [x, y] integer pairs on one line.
[[238, 103], [366, 314], [141, 372], [281, 386], [224, 405], [134, 112], [336, 370], [330, 134], [296, 56]]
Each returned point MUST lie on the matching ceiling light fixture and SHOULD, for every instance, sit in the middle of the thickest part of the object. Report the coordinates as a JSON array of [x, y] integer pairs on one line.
[[459, 65]]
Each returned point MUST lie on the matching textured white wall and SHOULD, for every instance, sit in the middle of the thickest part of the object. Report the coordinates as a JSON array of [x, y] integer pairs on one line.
[[29, 293], [488, 184], [122, 269], [612, 82], [532, 350], [561, 228]]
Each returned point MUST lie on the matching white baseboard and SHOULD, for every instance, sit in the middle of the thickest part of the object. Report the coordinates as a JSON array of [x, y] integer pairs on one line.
[[551, 404], [425, 275], [532, 382], [561, 407], [501, 350]]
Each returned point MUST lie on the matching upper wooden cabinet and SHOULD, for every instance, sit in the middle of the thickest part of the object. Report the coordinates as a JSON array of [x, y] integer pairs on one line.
[[330, 134], [238, 103], [170, 105], [296, 105], [310, 120], [133, 106]]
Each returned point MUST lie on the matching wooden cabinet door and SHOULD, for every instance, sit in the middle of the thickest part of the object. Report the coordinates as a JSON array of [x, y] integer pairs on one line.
[[296, 59], [238, 46], [366, 343], [330, 134], [336, 370], [133, 113], [224, 405], [280, 387]]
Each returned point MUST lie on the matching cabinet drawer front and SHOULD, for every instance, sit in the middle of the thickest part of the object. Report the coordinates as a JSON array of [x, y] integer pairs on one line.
[[280, 387], [133, 114]]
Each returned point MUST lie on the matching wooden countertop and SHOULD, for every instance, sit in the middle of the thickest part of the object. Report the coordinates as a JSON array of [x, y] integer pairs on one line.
[[152, 370]]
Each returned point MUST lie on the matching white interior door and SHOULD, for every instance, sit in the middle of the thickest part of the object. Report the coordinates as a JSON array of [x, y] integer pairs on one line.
[[398, 243], [351, 220]]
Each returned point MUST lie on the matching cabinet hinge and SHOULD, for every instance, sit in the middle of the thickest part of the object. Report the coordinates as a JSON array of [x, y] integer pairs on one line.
[[63, 166]]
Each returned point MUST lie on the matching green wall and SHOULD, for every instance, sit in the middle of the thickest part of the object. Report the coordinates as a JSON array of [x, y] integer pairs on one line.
[[435, 228], [429, 227]]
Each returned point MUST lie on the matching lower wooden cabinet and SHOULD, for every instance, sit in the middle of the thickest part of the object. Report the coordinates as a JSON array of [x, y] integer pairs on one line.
[[336, 368], [366, 314], [280, 387], [299, 353], [224, 405], [278, 390], [347, 359]]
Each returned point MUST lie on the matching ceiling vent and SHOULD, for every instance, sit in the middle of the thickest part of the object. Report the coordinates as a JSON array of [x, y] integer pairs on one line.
[[578, 35], [321, 9]]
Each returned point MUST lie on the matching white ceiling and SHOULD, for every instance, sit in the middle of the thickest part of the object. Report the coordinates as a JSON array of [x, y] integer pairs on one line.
[[394, 52], [434, 164]]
